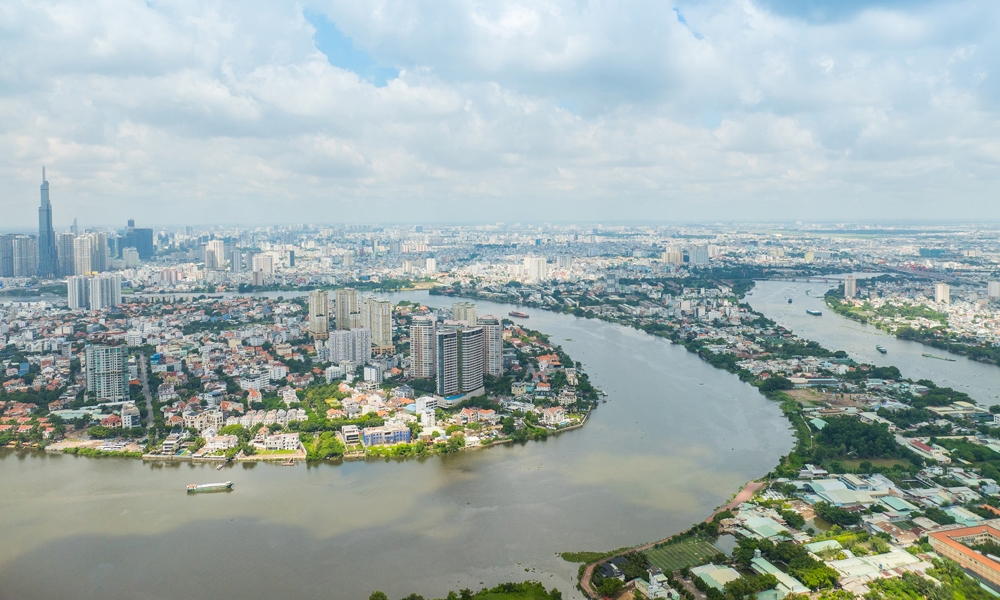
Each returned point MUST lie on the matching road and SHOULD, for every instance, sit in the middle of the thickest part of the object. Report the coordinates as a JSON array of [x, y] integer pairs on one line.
[[146, 393], [745, 494]]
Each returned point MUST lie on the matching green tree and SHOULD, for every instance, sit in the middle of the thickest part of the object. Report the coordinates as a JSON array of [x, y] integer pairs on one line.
[[378, 596]]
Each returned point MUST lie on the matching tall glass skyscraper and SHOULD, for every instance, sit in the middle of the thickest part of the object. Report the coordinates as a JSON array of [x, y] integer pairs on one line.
[[46, 235]]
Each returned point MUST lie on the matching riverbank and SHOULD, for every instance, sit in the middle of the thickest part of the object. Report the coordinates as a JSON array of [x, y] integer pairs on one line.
[[933, 336], [756, 352]]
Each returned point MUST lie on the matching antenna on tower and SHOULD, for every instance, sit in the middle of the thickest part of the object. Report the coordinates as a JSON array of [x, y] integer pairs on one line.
[[43, 173]]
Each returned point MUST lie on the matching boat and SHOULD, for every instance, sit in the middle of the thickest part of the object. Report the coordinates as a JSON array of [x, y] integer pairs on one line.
[[288, 463], [219, 468], [789, 300], [815, 313], [209, 487], [518, 314], [881, 349], [925, 354]]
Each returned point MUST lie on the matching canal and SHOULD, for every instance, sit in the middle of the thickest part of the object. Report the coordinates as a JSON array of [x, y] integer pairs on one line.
[[675, 439]]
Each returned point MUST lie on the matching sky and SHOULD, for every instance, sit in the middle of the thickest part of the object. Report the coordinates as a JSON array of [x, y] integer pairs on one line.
[[213, 112]]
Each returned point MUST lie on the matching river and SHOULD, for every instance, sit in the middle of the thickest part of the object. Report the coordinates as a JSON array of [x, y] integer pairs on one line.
[[835, 332], [676, 438]]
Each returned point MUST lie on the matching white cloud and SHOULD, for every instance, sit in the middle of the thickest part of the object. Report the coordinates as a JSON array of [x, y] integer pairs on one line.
[[224, 111]]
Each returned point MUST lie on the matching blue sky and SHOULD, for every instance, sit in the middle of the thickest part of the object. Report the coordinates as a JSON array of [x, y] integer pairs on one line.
[[341, 51], [334, 111]]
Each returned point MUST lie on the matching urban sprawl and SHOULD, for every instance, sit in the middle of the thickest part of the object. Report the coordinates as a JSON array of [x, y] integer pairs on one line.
[[279, 343]]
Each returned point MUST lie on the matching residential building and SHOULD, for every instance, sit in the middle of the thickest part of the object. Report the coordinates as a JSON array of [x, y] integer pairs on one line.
[[319, 314], [25, 256], [492, 345], [348, 313], [376, 316], [459, 352], [81, 255], [535, 269], [64, 254], [106, 370], [423, 343], [7, 255], [850, 286], [942, 293], [215, 255], [464, 312], [105, 291]]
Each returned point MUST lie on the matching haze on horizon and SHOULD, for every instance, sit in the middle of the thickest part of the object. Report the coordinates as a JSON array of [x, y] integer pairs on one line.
[[716, 110]]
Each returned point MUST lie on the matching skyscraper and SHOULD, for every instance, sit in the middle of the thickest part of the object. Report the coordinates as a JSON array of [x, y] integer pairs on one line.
[[81, 255], [535, 269], [319, 314], [215, 255], [64, 254], [7, 255], [77, 292], [99, 251], [25, 256], [140, 239], [459, 360], [422, 347], [446, 347], [470, 358], [993, 290], [348, 315], [105, 291], [376, 315], [492, 345], [106, 368], [850, 286], [46, 235]]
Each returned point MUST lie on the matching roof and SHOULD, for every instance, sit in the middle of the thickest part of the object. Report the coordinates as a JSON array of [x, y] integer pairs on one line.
[[823, 545], [792, 585], [716, 576], [950, 538]]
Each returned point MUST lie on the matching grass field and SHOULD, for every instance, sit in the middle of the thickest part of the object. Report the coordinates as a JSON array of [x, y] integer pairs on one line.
[[685, 554]]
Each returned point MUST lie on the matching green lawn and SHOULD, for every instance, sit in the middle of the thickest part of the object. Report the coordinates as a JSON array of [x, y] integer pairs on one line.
[[684, 554], [276, 452]]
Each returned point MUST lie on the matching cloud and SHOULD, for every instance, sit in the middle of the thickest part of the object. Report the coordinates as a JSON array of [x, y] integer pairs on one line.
[[200, 112]]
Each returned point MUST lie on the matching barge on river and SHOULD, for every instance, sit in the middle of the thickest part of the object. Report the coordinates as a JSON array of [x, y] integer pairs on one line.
[[195, 488]]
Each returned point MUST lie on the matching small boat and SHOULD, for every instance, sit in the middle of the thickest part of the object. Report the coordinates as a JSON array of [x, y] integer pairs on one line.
[[789, 300], [518, 314], [219, 468], [815, 313], [210, 487], [926, 355], [881, 349]]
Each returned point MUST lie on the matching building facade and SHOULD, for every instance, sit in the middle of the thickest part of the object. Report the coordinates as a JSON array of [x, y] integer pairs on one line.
[[106, 369]]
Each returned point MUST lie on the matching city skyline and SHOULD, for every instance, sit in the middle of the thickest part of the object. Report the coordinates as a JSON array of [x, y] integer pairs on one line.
[[741, 110]]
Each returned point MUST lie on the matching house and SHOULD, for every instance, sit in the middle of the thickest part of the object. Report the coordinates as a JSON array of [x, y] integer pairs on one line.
[[282, 441], [130, 416], [112, 421], [351, 435], [554, 415], [220, 443]]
